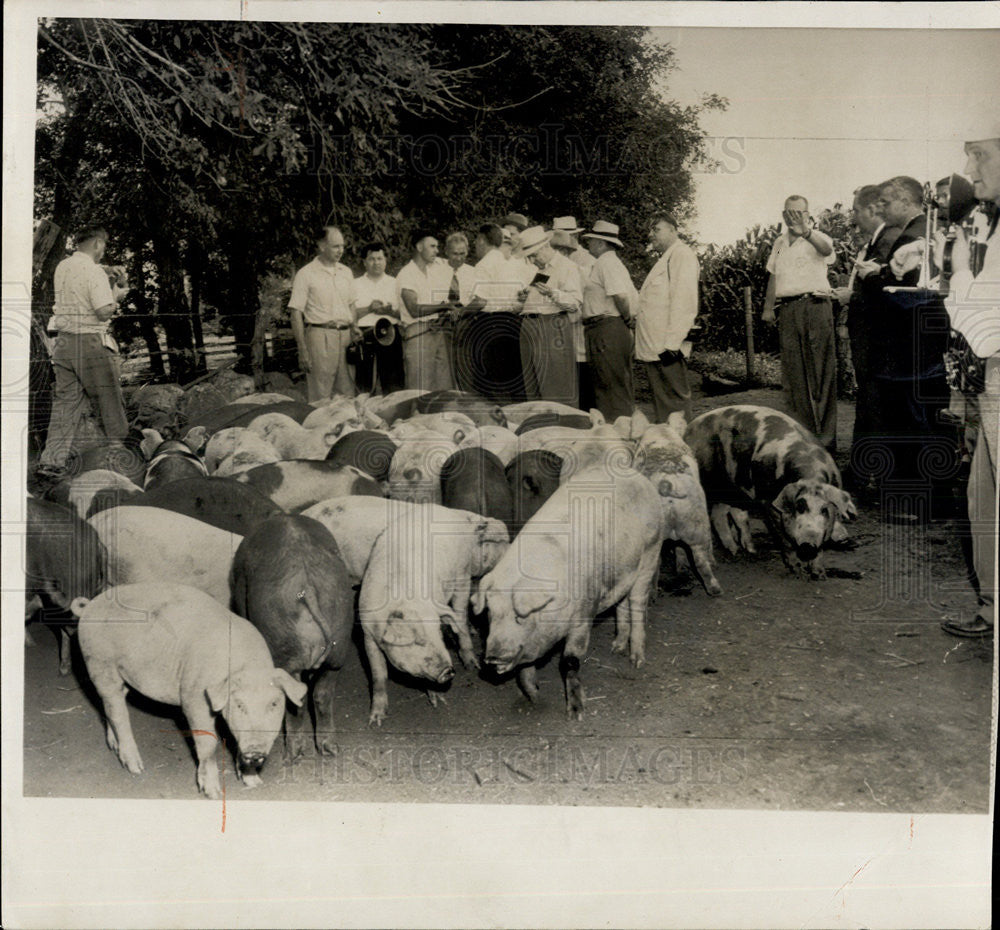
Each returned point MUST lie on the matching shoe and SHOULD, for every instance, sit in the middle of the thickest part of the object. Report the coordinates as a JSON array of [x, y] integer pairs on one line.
[[976, 628]]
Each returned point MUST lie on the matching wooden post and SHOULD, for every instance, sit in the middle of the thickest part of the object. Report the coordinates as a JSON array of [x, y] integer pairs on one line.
[[259, 350], [748, 312]]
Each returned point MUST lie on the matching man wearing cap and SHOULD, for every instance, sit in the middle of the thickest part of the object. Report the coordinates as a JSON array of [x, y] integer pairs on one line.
[[548, 307], [84, 355], [609, 297], [799, 289], [322, 320], [489, 328], [424, 309], [565, 226], [668, 305]]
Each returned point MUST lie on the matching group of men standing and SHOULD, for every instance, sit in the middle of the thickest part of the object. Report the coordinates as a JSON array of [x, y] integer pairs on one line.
[[538, 316]]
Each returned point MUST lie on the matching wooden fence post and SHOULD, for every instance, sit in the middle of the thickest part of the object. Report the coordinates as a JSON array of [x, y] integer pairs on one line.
[[751, 360]]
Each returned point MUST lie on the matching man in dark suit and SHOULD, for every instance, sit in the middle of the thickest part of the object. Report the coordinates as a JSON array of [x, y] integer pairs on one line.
[[908, 339], [871, 257]]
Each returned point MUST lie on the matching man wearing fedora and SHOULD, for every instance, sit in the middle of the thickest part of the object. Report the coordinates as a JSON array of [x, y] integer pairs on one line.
[[609, 297], [668, 305], [549, 304], [565, 239]]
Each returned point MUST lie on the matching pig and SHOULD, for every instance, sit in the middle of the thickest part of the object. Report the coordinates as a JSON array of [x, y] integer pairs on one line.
[[298, 484], [64, 559], [152, 544], [593, 545], [176, 645], [83, 488], [240, 414], [224, 503], [518, 413], [581, 449], [415, 470], [236, 448], [369, 450], [569, 420], [753, 457], [670, 465], [451, 424], [289, 581], [265, 398], [481, 411], [124, 456], [171, 460], [343, 416], [397, 405], [499, 440], [292, 441], [533, 478], [420, 576], [474, 480]]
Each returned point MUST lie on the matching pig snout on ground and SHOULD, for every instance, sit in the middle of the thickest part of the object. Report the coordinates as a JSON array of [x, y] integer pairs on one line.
[[177, 645]]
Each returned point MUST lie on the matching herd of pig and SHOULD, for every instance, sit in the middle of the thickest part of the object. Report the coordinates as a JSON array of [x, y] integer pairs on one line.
[[224, 571]]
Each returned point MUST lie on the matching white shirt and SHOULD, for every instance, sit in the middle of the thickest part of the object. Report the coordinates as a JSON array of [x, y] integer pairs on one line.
[[323, 293], [564, 279], [974, 303], [430, 286], [364, 290], [668, 303], [608, 278], [81, 287], [498, 280], [797, 267], [466, 275]]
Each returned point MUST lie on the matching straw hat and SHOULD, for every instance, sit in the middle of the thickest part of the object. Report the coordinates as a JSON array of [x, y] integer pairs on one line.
[[606, 231], [566, 224], [533, 239], [561, 239], [519, 220]]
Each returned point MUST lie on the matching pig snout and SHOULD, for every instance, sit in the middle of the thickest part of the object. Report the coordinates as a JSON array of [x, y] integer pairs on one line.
[[806, 551], [503, 657], [252, 762], [446, 675]]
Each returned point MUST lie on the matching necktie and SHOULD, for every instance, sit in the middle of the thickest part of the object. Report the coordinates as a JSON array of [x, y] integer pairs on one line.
[[453, 292], [862, 255]]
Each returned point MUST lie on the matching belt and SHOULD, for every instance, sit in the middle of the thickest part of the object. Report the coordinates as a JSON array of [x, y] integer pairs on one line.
[[434, 326], [603, 318], [535, 316], [339, 326], [790, 300]]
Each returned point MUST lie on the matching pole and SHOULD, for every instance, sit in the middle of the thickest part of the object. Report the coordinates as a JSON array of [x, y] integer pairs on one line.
[[748, 314]]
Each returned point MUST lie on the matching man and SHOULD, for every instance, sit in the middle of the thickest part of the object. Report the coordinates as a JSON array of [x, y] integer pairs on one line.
[[322, 321], [374, 296], [489, 330], [668, 305], [548, 307], [84, 354], [608, 300], [866, 217], [425, 307], [566, 226], [908, 338], [798, 288], [463, 281]]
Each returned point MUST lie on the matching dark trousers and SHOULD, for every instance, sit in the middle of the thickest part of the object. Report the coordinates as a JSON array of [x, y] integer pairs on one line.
[[809, 365], [587, 401], [917, 449], [671, 391], [609, 356], [487, 353], [548, 359]]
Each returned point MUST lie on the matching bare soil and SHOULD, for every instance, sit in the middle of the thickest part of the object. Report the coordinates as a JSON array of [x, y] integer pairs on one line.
[[781, 694]]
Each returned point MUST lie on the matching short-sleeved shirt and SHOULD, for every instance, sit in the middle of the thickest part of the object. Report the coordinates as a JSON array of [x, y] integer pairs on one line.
[[364, 290], [429, 284], [564, 279], [81, 287], [608, 278], [797, 267], [498, 281], [466, 276], [323, 293]]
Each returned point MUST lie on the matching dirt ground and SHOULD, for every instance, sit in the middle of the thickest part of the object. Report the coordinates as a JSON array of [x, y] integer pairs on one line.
[[781, 694]]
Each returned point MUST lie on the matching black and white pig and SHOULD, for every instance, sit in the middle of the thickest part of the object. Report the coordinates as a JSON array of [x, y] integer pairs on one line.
[[289, 581], [366, 449], [299, 483]]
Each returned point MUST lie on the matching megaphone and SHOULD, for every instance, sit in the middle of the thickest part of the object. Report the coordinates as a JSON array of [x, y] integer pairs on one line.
[[384, 331], [961, 199]]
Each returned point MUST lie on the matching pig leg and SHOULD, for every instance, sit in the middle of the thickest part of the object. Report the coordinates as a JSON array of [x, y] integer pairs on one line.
[[111, 688], [458, 620], [637, 599], [574, 650], [206, 743], [739, 519], [527, 678], [323, 699], [623, 628], [65, 652], [296, 727], [701, 559], [380, 677], [34, 603], [720, 521]]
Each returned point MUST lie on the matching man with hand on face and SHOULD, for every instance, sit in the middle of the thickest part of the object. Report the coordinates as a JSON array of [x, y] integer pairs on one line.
[[798, 288], [668, 305], [549, 306], [322, 319], [425, 310]]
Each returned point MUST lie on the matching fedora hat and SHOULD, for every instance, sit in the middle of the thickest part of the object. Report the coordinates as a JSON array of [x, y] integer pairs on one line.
[[532, 240], [561, 239], [606, 231], [566, 224], [516, 219]]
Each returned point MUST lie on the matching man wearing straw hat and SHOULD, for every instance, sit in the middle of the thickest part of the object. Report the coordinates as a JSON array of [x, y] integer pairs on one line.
[[609, 297], [668, 305], [565, 240], [549, 304]]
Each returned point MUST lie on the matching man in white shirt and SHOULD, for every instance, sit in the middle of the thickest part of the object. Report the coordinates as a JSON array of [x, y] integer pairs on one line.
[[322, 320], [425, 311], [668, 305], [84, 354], [799, 288], [374, 298], [609, 302], [463, 282], [565, 226], [549, 306]]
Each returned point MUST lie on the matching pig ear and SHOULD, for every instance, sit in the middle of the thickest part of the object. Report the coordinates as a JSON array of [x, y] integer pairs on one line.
[[396, 633], [838, 533], [596, 417], [196, 438], [218, 695], [491, 531], [678, 422], [785, 501], [639, 425], [151, 438], [527, 602], [294, 690], [478, 596], [841, 500]]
